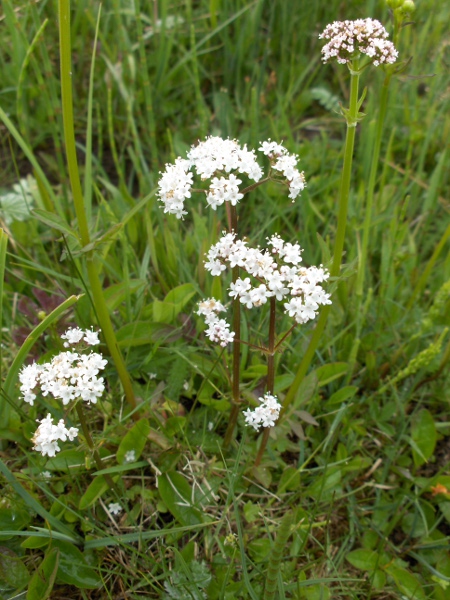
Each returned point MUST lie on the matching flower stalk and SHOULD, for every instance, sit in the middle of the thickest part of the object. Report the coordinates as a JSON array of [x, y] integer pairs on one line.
[[352, 117], [99, 301]]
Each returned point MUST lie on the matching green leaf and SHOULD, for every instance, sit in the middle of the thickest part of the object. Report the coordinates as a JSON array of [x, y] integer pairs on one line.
[[363, 559], [342, 395], [330, 372], [54, 221], [65, 460], [12, 570], [13, 519], [96, 488], [43, 578], [116, 294], [424, 436], [74, 568], [134, 441], [406, 582], [176, 493], [167, 310]]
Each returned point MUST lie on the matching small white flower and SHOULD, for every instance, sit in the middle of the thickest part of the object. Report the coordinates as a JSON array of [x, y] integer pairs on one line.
[[115, 508], [47, 435], [73, 336], [91, 337], [264, 415], [130, 456]]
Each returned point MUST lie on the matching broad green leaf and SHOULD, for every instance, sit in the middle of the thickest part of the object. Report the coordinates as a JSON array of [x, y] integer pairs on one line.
[[96, 488], [43, 578], [65, 460], [12, 570], [424, 436], [343, 394], [167, 310], [13, 519], [363, 559], [289, 480], [325, 485], [259, 549], [330, 372], [134, 441], [55, 221], [406, 582], [74, 568], [318, 591], [35, 541], [177, 495], [115, 294]]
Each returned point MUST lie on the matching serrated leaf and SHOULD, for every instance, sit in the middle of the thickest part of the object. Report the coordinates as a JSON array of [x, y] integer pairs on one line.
[[406, 582], [134, 440], [424, 436], [343, 394], [43, 579], [54, 221], [364, 559], [177, 495], [330, 372]]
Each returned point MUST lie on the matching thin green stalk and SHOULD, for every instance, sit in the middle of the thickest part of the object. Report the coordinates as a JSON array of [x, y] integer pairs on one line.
[[344, 192], [72, 163], [371, 187], [270, 375], [97, 458], [236, 397]]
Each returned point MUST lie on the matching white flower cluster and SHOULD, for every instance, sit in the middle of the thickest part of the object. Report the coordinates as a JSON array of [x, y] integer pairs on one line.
[[286, 163], [215, 159], [68, 376], [46, 436], [218, 329], [264, 415], [278, 273], [365, 36]]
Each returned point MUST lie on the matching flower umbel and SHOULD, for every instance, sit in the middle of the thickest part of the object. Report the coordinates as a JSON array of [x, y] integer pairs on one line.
[[365, 36], [264, 415], [47, 435], [221, 161]]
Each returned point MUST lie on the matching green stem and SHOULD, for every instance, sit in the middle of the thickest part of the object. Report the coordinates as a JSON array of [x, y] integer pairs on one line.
[[97, 458], [371, 187], [344, 193], [270, 375], [236, 399], [75, 183]]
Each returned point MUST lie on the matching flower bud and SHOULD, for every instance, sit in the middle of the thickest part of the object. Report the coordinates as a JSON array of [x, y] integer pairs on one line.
[[407, 8]]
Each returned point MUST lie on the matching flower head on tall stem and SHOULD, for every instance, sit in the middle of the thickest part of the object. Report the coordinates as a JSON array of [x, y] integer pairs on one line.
[[348, 39]]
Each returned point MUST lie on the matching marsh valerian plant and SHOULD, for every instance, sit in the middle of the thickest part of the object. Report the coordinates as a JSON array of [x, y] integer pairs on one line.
[[274, 273]]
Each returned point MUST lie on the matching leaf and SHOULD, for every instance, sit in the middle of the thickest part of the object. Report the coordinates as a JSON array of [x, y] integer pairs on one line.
[[74, 568], [43, 579], [342, 395], [330, 372], [176, 493], [305, 416], [12, 570], [424, 436], [364, 559], [96, 488], [406, 582], [54, 221], [67, 459], [13, 519], [134, 441], [167, 310]]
